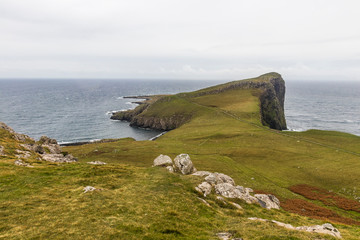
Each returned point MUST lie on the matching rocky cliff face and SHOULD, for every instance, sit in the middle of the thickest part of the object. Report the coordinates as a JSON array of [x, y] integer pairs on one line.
[[272, 96]]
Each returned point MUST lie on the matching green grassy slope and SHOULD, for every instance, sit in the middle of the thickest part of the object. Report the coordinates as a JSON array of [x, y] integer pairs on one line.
[[137, 201]]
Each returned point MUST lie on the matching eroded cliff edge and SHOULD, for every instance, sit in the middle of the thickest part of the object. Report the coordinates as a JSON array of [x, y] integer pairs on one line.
[[170, 112]]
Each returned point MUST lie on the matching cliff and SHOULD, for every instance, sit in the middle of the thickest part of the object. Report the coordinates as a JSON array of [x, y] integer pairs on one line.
[[170, 112]]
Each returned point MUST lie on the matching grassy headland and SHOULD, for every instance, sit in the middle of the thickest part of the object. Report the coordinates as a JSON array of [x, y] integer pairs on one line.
[[222, 129]]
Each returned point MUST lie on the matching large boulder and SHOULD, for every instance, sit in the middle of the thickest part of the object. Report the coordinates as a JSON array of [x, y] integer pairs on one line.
[[227, 190], [204, 188], [217, 178], [162, 160], [184, 164], [268, 201]]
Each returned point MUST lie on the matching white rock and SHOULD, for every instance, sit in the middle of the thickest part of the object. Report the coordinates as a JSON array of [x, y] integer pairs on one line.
[[268, 201], [227, 190], [236, 205], [170, 169], [88, 189], [326, 228], [217, 178], [204, 188], [201, 173], [20, 162], [184, 164], [2, 150], [204, 201], [59, 158], [162, 160], [96, 163]]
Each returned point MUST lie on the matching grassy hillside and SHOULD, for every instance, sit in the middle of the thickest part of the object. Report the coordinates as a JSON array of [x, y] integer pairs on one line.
[[315, 174]]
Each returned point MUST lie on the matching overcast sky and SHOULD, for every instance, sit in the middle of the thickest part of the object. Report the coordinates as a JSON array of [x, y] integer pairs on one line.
[[180, 39]]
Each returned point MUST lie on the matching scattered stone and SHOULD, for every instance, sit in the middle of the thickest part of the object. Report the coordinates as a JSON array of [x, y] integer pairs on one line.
[[88, 189], [162, 160], [217, 178], [204, 201], [326, 228], [236, 205], [184, 164], [170, 169], [97, 163], [59, 158], [204, 188], [39, 149], [201, 173], [20, 162], [268, 201]]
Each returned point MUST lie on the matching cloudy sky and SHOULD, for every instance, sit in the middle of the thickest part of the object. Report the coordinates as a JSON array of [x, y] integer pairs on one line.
[[180, 39]]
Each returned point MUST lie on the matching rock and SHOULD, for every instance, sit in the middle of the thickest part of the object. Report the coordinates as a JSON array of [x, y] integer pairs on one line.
[[227, 190], [236, 205], [204, 201], [326, 228], [96, 163], [268, 201], [162, 160], [184, 164], [217, 178], [224, 235], [204, 188], [22, 154], [38, 149], [20, 162], [170, 169], [2, 151], [59, 158], [46, 140], [201, 173], [88, 189]]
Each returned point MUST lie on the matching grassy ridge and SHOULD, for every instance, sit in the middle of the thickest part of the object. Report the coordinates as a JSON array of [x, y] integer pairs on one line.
[[225, 134]]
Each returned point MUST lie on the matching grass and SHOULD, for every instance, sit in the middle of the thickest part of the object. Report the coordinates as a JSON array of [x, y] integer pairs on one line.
[[137, 201]]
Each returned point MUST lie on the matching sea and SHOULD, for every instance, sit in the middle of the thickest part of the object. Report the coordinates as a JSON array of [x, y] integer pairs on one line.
[[73, 111]]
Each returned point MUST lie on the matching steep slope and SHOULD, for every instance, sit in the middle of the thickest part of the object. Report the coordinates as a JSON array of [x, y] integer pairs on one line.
[[158, 113]]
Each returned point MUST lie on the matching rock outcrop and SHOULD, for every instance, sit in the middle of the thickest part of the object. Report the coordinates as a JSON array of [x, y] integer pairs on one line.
[[326, 228], [46, 148], [272, 96]]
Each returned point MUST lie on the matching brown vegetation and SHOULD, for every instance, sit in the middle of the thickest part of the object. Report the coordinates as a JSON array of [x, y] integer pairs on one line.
[[328, 198], [312, 210]]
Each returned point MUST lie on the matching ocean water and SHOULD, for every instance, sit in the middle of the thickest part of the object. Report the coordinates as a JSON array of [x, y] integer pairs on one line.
[[80, 110], [323, 105]]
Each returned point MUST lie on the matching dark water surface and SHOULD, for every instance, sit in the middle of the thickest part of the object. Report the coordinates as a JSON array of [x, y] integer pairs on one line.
[[79, 110]]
